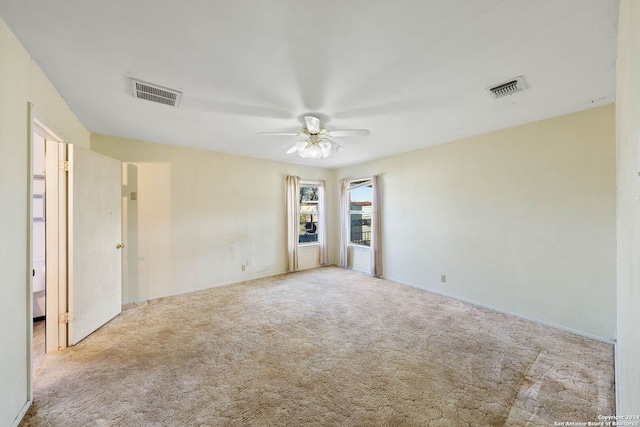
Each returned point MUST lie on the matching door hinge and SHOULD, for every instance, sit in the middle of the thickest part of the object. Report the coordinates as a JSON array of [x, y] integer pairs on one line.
[[65, 318], [64, 165]]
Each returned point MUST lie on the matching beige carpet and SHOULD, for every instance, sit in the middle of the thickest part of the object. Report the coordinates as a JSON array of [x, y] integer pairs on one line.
[[326, 347], [38, 346]]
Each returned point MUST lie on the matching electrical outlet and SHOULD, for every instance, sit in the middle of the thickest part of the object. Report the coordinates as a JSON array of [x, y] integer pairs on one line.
[[443, 278], [243, 267]]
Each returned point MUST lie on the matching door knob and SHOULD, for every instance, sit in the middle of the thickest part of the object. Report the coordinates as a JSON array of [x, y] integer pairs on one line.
[[120, 246]]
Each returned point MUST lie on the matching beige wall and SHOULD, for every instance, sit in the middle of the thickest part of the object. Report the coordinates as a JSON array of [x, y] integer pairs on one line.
[[200, 216], [522, 220], [21, 82], [628, 127]]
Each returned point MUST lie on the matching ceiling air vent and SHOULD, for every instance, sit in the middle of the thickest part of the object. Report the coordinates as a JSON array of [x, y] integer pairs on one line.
[[507, 88], [155, 93]]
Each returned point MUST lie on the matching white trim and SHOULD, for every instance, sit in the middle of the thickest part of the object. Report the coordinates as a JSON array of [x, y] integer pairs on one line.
[[56, 289], [39, 124], [315, 184], [44, 125], [311, 267], [510, 313], [126, 304], [616, 375], [360, 247], [360, 180], [22, 413], [361, 184], [44, 130], [29, 255], [365, 182]]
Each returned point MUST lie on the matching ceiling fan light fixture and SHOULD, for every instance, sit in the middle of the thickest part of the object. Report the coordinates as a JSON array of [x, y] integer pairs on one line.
[[325, 147], [312, 149], [317, 145]]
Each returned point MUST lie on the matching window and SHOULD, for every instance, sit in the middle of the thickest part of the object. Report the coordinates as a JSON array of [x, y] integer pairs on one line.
[[309, 213], [360, 210]]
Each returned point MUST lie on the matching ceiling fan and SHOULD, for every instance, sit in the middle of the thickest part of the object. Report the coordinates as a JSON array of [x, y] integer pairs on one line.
[[317, 144]]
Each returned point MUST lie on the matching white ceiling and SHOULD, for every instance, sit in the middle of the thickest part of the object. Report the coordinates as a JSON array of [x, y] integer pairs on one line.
[[413, 72]]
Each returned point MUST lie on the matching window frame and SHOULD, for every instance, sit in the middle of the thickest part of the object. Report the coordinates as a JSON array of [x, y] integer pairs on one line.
[[354, 185], [316, 184]]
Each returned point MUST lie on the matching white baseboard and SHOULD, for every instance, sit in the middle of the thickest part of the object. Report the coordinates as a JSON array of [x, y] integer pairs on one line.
[[424, 288], [126, 304], [616, 375], [21, 414], [510, 313]]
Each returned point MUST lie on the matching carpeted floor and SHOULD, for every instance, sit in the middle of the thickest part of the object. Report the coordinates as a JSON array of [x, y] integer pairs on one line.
[[38, 347], [324, 347]]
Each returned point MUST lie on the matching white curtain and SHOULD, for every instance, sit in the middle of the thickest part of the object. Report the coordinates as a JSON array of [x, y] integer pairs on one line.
[[293, 220], [376, 254], [322, 225], [344, 221]]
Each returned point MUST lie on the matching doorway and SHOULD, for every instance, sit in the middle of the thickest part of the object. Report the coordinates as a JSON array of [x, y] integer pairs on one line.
[[48, 236], [38, 248], [77, 202]]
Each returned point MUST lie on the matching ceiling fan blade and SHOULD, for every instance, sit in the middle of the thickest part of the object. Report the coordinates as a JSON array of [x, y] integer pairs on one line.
[[292, 149], [348, 132], [313, 124], [280, 133]]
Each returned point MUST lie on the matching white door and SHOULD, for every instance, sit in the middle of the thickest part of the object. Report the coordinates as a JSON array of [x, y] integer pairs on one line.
[[95, 262]]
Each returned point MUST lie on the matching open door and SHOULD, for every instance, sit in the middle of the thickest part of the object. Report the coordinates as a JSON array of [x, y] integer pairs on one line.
[[94, 248]]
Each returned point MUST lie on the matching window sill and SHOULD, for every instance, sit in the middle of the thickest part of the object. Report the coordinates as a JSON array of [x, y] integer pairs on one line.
[[304, 245], [361, 247]]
